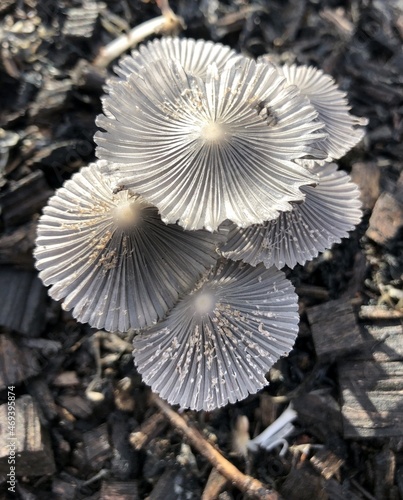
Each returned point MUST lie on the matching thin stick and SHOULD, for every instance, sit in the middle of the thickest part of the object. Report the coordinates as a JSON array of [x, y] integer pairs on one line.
[[167, 23], [247, 484]]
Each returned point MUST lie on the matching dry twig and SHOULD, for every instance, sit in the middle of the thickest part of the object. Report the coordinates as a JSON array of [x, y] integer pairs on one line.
[[168, 23], [247, 484]]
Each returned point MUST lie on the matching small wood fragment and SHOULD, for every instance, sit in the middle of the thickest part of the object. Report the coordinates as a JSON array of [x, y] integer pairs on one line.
[[78, 406], [384, 468], [23, 198], [17, 364], [34, 456], [23, 301], [97, 446], [334, 328], [372, 398], [303, 484], [379, 313], [382, 343], [386, 219], [367, 176], [327, 463], [147, 431], [119, 490]]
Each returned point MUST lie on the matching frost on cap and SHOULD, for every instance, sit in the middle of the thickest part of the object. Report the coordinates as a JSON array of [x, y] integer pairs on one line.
[[344, 131], [111, 258], [194, 55], [217, 344], [207, 151], [329, 211]]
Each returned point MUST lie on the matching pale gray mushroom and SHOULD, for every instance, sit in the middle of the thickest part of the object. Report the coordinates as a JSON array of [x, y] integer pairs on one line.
[[207, 150], [330, 210], [217, 344], [195, 56], [344, 130], [111, 259]]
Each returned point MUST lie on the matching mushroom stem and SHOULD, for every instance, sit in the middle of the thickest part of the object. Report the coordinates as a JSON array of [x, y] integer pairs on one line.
[[169, 22], [247, 484]]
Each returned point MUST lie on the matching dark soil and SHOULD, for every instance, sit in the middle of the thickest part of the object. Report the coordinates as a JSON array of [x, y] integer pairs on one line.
[[83, 384]]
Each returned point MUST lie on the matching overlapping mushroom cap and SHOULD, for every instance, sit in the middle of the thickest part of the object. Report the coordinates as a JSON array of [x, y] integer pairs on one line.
[[194, 56], [344, 130], [111, 259], [211, 149], [330, 210], [217, 344]]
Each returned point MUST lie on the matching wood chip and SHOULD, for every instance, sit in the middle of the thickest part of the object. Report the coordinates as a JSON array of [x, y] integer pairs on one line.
[[23, 198], [334, 328], [372, 398], [17, 364], [367, 176], [32, 444], [386, 219], [327, 463], [97, 446], [23, 301], [119, 491]]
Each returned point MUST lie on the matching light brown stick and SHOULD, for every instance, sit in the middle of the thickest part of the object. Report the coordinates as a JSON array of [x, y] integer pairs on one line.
[[244, 483]]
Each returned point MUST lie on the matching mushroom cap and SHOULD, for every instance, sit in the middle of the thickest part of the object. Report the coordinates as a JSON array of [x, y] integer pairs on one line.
[[344, 130], [217, 344], [204, 151], [111, 259], [194, 56], [330, 210]]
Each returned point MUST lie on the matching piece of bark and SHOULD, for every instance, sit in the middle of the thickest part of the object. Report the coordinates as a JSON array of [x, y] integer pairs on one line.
[[367, 176], [148, 430], [379, 313], [337, 491], [17, 364], [381, 343], [23, 198], [372, 398], [174, 483], [34, 456], [384, 468], [63, 489], [80, 22], [386, 219], [78, 406], [334, 328], [117, 490], [22, 301], [303, 484], [39, 390], [319, 412], [97, 446], [16, 247], [66, 379], [327, 463], [51, 98]]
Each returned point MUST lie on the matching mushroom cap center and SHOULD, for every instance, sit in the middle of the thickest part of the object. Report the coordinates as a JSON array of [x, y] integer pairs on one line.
[[213, 132], [204, 303], [127, 214]]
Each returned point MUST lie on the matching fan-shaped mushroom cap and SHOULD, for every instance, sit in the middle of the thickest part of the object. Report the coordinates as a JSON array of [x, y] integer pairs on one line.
[[217, 344], [329, 211], [204, 151], [194, 56], [344, 131], [111, 259]]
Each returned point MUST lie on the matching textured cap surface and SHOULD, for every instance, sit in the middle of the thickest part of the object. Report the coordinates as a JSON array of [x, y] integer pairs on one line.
[[217, 344], [111, 259]]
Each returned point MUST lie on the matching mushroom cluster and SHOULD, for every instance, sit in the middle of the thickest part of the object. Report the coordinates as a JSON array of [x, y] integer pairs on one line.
[[214, 171]]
